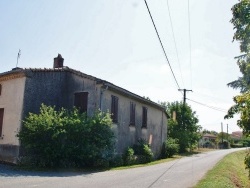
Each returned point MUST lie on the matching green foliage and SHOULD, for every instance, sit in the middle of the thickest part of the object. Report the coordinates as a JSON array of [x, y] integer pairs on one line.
[[170, 147], [128, 156], [236, 145], [143, 152], [140, 153], [67, 138], [224, 145], [228, 172], [242, 107], [245, 141], [185, 127], [116, 161], [241, 23]]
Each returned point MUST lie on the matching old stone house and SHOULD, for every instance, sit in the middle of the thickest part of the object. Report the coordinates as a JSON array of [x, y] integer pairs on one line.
[[23, 90]]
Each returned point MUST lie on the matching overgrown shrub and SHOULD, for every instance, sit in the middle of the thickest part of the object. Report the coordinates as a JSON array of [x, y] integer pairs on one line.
[[236, 145], [143, 152], [170, 147], [66, 138], [116, 161], [128, 156]]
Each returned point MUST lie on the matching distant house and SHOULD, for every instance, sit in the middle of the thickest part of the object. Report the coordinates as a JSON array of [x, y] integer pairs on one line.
[[236, 136], [208, 141], [23, 90]]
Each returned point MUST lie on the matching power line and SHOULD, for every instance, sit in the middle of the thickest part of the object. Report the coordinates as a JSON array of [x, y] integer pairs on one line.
[[190, 55], [212, 98], [212, 107], [162, 45], [175, 42]]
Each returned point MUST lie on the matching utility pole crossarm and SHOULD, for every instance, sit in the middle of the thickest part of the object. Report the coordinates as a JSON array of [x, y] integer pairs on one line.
[[184, 96]]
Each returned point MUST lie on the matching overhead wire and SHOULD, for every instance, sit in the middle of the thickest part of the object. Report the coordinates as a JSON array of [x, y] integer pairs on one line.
[[213, 98], [190, 48], [162, 45], [177, 54], [212, 107]]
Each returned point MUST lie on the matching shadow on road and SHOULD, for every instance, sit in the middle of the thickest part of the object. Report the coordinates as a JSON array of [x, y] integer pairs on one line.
[[13, 171]]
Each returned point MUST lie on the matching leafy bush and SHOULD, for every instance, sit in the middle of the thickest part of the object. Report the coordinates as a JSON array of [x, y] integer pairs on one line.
[[236, 145], [170, 147], [116, 161], [66, 138], [128, 156], [143, 152]]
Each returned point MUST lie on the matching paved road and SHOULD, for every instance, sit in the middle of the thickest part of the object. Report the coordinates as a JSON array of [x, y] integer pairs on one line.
[[181, 173]]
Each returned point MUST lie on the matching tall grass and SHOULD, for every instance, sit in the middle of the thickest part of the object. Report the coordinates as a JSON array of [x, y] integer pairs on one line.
[[229, 172]]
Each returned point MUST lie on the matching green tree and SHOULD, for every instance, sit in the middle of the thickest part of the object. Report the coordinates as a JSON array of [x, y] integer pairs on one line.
[[242, 107], [65, 138], [184, 127], [241, 23]]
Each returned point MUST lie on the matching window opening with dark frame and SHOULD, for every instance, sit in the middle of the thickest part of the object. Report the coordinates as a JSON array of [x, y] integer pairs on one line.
[[114, 109], [1, 120], [81, 101], [0, 89], [132, 114], [144, 117]]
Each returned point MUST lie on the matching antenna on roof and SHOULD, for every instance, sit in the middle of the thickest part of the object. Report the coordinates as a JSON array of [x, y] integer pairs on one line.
[[18, 56]]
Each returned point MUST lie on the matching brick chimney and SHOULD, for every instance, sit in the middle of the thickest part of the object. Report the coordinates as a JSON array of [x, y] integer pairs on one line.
[[58, 61]]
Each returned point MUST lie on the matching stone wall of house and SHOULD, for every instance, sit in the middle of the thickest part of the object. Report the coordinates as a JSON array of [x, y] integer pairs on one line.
[[11, 100], [127, 135], [76, 83], [56, 88], [44, 87]]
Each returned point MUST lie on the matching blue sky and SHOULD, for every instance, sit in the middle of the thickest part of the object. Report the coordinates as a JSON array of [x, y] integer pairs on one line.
[[115, 40]]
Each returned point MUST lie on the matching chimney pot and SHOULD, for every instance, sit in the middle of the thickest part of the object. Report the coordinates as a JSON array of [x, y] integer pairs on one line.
[[58, 61]]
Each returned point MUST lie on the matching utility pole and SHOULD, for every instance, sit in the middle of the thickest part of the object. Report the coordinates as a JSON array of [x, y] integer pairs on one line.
[[184, 96], [184, 102]]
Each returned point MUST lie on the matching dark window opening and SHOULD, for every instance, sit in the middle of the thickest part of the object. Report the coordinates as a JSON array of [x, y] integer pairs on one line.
[[114, 108], [132, 113], [0, 89], [81, 101], [1, 120], [144, 117]]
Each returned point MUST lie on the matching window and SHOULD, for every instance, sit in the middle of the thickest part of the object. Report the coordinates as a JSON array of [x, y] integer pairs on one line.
[[81, 101], [0, 89], [1, 120], [144, 117], [132, 113], [114, 108]]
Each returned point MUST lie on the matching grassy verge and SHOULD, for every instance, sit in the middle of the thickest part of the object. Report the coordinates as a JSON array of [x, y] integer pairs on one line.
[[229, 172], [200, 150]]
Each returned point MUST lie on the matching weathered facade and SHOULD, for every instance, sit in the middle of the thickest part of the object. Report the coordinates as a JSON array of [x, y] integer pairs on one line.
[[24, 90]]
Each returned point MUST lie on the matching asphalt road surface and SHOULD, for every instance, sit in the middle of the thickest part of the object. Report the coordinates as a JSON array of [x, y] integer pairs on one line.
[[181, 173]]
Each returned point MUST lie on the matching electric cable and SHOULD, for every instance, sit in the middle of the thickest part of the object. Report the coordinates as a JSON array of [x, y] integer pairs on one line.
[[212, 107], [177, 54], [162, 45], [190, 48]]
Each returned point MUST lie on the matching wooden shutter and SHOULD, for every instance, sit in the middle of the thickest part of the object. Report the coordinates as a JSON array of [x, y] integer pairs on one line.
[[1, 120], [144, 117], [81, 101], [114, 108], [132, 113]]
